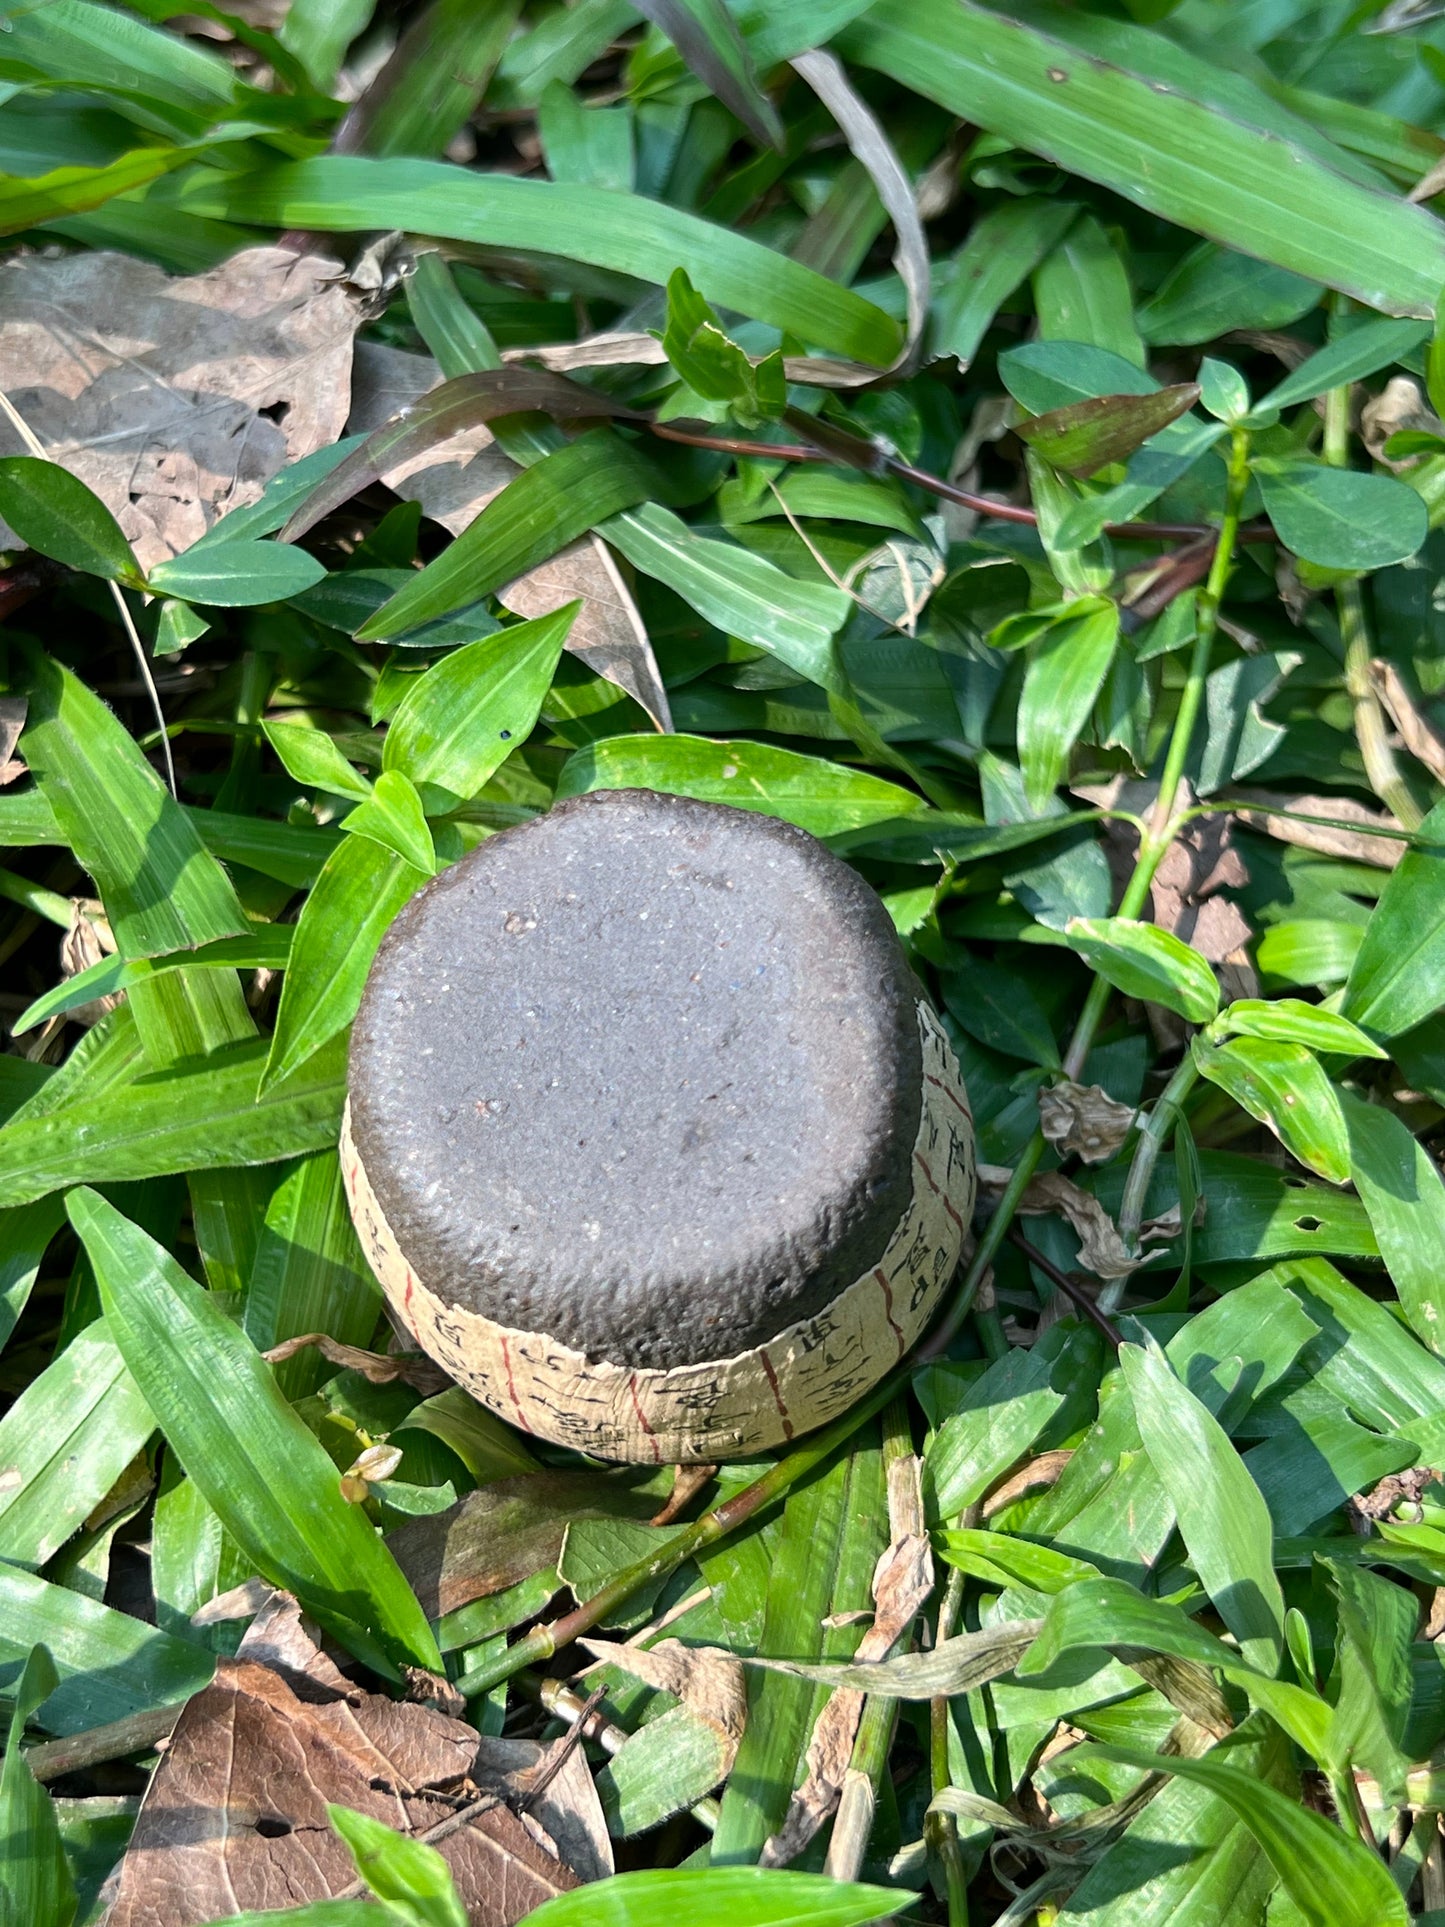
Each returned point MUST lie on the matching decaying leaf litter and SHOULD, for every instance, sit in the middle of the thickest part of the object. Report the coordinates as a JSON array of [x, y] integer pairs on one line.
[[1004, 443]]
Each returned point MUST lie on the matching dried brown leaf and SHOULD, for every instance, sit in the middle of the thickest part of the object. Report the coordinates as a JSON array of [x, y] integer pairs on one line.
[[1083, 1119], [566, 1808], [707, 1679], [12, 721], [1416, 733], [1399, 405], [376, 1367], [235, 1815], [504, 1533], [1330, 838], [1101, 1249], [176, 398], [454, 482]]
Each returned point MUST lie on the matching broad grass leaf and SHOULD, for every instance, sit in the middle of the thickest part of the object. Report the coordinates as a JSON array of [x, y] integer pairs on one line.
[[826, 798], [997, 1007], [1148, 963], [55, 513], [1210, 171], [267, 948], [1066, 670], [1004, 246], [261, 1469], [309, 1273], [459, 722], [1363, 351], [626, 233], [1213, 290], [64, 1443], [1223, 1519], [109, 1664], [1334, 1881], [1340, 518], [353, 905], [35, 1882], [1285, 1087], [1109, 1616], [238, 574], [992, 1428], [394, 817], [540, 511], [707, 37], [1397, 979], [435, 76], [1082, 293], [742, 594], [834, 1527], [1402, 1191], [1292, 1021], [207, 1115], [592, 146], [1377, 1622], [721, 1897]]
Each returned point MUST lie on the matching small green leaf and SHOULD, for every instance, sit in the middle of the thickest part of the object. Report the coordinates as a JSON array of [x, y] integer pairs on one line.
[[177, 626], [393, 817], [1333, 1879], [410, 1878], [1398, 976], [1087, 435], [1285, 1087], [1066, 670], [1292, 1021], [237, 575], [1223, 391], [312, 758], [36, 1887], [262, 1471], [826, 798], [460, 721], [1148, 963], [58, 515], [713, 365], [347, 914], [721, 1897], [1341, 518]]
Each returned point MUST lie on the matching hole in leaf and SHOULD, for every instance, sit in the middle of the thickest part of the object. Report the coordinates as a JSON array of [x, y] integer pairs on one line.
[[1308, 1224], [272, 1826]]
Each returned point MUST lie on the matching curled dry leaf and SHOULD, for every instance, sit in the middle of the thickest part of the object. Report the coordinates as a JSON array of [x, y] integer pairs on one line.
[[87, 940], [902, 1583], [12, 721], [707, 1679], [1101, 1249], [1333, 837], [1084, 1120], [1416, 733], [455, 481], [409, 1368], [235, 1815], [175, 399], [1399, 405]]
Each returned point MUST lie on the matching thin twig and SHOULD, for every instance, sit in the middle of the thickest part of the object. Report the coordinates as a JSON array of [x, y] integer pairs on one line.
[[1073, 1292], [37, 448]]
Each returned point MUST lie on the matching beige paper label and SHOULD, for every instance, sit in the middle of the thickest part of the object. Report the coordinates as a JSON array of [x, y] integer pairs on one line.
[[722, 1408]]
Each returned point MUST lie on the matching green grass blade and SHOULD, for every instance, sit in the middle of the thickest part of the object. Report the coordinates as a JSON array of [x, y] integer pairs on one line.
[[259, 1467], [623, 232], [1252, 189]]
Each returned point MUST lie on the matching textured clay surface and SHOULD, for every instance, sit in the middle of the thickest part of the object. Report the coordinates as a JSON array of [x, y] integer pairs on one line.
[[644, 1075]]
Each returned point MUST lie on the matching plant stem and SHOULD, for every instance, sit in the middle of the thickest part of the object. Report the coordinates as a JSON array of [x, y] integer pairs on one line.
[[940, 1830], [1158, 833], [1153, 1136], [1382, 772], [543, 1641]]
